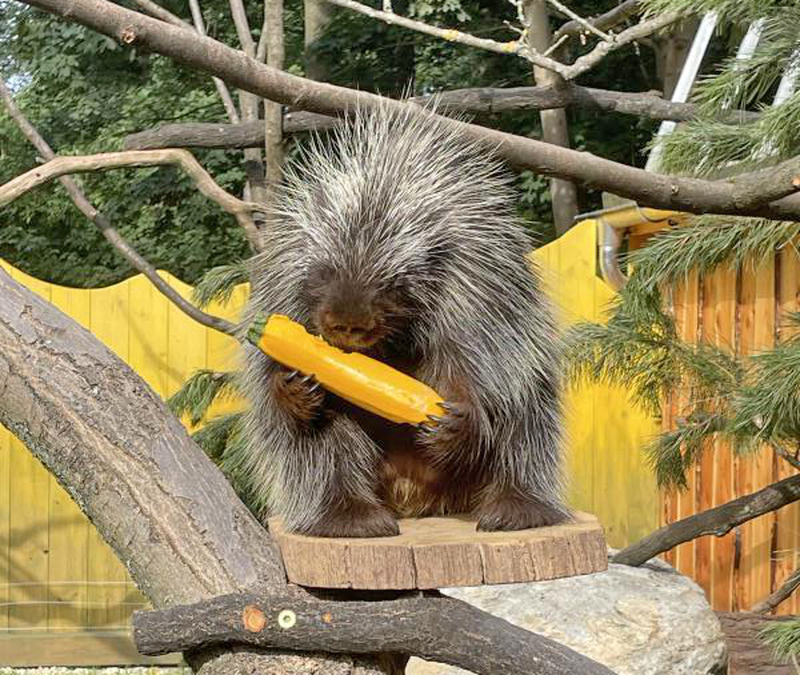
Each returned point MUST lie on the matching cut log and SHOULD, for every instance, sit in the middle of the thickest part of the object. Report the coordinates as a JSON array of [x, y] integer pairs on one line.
[[444, 552]]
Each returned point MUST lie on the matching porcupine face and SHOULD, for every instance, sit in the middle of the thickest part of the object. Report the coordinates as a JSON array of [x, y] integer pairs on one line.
[[355, 315]]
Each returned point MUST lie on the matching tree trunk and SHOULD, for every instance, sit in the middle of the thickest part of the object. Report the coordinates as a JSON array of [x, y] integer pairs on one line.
[[563, 193], [162, 505], [273, 111], [317, 15]]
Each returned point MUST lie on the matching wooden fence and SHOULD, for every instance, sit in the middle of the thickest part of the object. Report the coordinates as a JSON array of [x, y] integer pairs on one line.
[[59, 580], [743, 312]]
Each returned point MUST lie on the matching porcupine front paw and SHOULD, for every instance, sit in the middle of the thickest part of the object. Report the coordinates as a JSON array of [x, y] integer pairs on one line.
[[300, 396], [447, 435], [517, 512], [355, 520]]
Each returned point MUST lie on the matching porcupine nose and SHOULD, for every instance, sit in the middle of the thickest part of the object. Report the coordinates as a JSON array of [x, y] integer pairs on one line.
[[352, 325]]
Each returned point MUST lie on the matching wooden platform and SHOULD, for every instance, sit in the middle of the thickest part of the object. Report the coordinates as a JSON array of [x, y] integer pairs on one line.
[[442, 552]]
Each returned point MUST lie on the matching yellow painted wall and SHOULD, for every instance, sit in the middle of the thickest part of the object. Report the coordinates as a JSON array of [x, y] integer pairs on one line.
[[57, 574]]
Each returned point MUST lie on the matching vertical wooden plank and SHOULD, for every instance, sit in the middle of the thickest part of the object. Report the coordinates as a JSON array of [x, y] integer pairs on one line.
[[723, 547], [28, 531], [107, 576], [148, 333], [69, 528], [757, 317], [787, 536], [687, 301], [573, 259], [707, 466], [187, 341]]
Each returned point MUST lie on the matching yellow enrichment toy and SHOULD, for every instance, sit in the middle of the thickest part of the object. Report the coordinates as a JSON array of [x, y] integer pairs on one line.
[[367, 383]]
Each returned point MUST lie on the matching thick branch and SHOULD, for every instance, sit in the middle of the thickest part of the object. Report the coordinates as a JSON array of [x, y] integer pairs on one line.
[[61, 166], [743, 195], [104, 225], [436, 628], [717, 521], [480, 100], [783, 593]]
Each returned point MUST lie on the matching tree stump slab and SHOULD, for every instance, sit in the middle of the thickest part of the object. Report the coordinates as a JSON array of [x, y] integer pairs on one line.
[[444, 552]]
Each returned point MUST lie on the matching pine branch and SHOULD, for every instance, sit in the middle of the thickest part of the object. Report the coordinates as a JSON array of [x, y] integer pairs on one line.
[[768, 408], [784, 638], [219, 283], [706, 243], [217, 435], [201, 390], [672, 453]]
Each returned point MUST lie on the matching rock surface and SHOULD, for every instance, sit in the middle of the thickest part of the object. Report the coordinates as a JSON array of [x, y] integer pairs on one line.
[[646, 620]]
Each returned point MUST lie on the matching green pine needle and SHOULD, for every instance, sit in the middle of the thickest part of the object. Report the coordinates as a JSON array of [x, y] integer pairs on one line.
[[707, 243], [783, 637], [216, 435], [219, 283], [200, 391]]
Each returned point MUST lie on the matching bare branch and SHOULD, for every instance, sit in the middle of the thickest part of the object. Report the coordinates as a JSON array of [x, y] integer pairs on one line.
[[273, 112], [746, 194], [637, 32], [605, 21], [717, 521], [242, 28], [783, 593], [589, 26], [104, 225], [434, 627], [61, 166], [159, 12], [222, 89], [484, 100], [517, 47]]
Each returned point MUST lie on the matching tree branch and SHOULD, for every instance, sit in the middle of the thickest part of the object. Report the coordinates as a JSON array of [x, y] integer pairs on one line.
[[587, 25], [435, 628], [61, 166], [783, 593], [517, 47], [104, 225], [520, 47], [717, 521], [743, 195], [605, 21], [479, 100], [632, 34]]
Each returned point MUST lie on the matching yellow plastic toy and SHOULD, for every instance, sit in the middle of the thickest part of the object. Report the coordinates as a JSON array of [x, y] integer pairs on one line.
[[363, 381]]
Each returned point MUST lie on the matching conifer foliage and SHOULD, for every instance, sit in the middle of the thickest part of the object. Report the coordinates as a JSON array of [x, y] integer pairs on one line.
[[750, 401]]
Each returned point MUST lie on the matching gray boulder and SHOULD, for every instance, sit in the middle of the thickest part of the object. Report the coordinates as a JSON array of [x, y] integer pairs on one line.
[[646, 620]]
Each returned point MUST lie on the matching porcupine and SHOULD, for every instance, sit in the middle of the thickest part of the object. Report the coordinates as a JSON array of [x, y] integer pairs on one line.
[[397, 238]]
